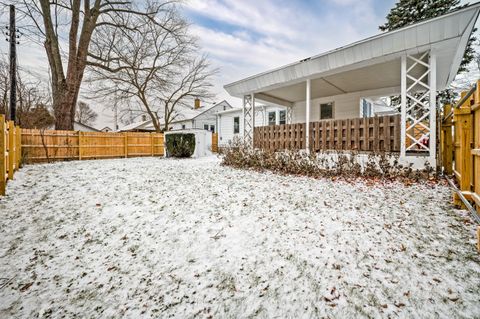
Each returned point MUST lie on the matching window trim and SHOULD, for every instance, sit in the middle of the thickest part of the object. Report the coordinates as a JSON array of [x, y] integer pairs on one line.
[[235, 131], [333, 110]]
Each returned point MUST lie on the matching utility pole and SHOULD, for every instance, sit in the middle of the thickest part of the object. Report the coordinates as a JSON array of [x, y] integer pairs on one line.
[[13, 64]]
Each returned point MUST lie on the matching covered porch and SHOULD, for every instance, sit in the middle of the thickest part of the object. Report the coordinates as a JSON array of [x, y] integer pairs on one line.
[[323, 93]]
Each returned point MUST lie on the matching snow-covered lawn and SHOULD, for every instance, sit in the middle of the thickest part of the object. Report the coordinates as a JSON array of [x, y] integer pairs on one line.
[[151, 237]]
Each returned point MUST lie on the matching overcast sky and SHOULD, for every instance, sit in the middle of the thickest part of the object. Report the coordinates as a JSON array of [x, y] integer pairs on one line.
[[246, 37]]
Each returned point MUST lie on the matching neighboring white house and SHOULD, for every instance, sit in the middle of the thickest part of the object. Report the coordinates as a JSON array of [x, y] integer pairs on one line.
[[201, 117], [230, 122], [77, 126], [204, 118], [376, 107]]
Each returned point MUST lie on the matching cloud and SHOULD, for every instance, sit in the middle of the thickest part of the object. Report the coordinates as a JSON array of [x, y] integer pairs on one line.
[[250, 36]]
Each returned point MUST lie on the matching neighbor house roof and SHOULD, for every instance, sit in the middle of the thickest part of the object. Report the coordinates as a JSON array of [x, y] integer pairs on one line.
[[371, 63], [185, 115], [200, 111], [135, 126]]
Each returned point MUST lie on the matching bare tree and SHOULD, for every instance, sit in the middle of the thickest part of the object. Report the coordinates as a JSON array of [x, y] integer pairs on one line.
[[193, 82], [77, 21], [33, 99], [4, 86], [84, 114], [154, 71]]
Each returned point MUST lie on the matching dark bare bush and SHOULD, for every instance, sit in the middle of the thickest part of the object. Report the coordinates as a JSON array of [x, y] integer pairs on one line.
[[333, 164]]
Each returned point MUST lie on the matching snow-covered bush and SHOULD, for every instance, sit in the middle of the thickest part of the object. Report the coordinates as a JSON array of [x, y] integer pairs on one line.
[[323, 164], [180, 145]]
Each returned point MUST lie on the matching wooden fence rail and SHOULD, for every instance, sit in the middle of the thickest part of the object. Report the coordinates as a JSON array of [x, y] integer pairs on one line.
[[10, 151], [45, 146], [360, 134], [460, 145]]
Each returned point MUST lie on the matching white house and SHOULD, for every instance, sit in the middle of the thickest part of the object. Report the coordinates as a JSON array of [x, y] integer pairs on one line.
[[413, 62], [77, 126], [204, 118], [230, 122], [200, 117]]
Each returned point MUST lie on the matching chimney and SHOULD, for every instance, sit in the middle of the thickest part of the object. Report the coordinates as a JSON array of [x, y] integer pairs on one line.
[[197, 103]]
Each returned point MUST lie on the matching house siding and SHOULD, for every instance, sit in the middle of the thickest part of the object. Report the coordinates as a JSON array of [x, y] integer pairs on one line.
[[225, 121], [346, 106], [209, 117]]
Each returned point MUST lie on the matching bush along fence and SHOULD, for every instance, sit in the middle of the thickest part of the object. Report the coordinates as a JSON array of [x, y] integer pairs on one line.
[[460, 147], [49, 145], [10, 151], [359, 134]]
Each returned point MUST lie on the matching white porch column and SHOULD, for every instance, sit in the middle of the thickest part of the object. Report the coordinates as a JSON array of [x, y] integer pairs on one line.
[[403, 120], [248, 119], [418, 109], [433, 109], [289, 115], [307, 115]]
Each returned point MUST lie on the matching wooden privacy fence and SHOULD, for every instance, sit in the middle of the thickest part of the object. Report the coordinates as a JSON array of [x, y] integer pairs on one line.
[[215, 142], [10, 151], [45, 146], [360, 134], [460, 144]]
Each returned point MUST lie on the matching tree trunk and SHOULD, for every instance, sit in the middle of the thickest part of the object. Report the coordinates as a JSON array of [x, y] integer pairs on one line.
[[64, 106]]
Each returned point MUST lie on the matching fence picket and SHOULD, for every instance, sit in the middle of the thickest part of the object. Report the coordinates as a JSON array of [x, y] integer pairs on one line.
[[42, 146], [362, 134]]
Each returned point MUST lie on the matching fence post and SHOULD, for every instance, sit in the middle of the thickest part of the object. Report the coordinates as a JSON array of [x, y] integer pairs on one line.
[[19, 147], [80, 136], [478, 238], [3, 151], [11, 149], [151, 142], [447, 142], [463, 118], [125, 141]]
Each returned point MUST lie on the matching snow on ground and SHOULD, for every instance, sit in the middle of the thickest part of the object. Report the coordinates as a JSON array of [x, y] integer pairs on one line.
[[151, 237]]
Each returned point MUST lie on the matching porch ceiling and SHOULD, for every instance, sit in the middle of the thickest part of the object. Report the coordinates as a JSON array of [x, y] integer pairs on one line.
[[370, 64], [383, 75]]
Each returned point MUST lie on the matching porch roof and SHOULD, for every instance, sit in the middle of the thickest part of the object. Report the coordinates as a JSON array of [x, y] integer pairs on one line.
[[373, 63]]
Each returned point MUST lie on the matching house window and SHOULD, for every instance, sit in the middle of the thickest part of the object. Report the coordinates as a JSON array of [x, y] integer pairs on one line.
[[236, 125], [283, 117], [326, 111], [205, 127], [367, 108], [183, 126], [212, 128], [272, 118]]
